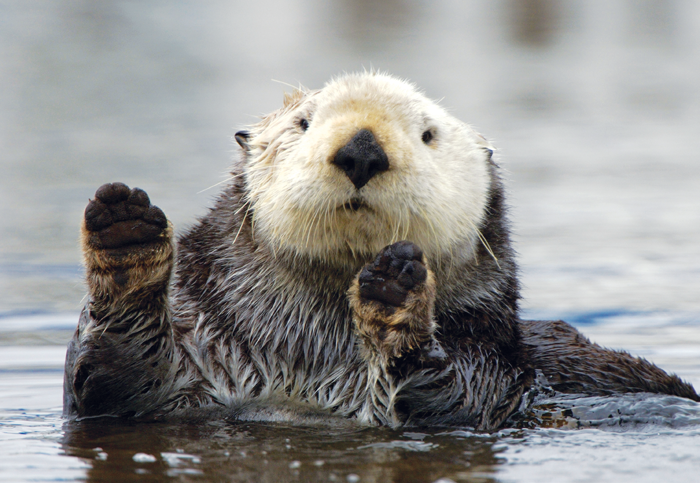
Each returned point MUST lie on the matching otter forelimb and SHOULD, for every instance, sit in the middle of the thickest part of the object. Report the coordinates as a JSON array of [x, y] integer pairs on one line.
[[116, 362]]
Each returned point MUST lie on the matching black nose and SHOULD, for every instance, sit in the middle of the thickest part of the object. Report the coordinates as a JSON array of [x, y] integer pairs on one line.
[[361, 158]]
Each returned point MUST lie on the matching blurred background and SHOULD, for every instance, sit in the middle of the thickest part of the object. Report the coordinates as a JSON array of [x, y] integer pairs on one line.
[[594, 106]]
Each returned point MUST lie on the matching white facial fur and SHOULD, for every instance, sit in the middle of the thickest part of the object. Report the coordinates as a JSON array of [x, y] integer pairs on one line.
[[433, 194]]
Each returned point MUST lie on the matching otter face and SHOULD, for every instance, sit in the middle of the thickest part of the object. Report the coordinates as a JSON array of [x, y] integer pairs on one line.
[[341, 172]]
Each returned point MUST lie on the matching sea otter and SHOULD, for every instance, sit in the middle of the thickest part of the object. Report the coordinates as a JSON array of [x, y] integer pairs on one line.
[[357, 266]]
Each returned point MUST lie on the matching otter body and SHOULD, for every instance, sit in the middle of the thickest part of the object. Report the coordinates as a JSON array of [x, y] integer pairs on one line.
[[357, 265]]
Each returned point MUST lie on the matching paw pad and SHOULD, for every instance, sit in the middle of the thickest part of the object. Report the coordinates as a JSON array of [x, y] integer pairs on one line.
[[120, 216], [397, 269]]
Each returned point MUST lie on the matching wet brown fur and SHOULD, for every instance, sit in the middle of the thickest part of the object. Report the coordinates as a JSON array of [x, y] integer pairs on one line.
[[572, 364], [132, 273]]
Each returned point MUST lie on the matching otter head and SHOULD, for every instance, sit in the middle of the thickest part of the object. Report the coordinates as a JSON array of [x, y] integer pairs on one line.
[[338, 173]]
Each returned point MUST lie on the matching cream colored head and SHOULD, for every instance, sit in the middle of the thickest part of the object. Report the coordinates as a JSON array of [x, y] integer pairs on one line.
[[433, 193]]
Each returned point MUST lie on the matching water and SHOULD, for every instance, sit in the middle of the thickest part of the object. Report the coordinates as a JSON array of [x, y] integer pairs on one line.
[[637, 438], [595, 110]]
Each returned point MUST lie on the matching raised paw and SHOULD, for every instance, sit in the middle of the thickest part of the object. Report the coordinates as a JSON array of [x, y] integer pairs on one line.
[[119, 216], [394, 273], [392, 301], [127, 247]]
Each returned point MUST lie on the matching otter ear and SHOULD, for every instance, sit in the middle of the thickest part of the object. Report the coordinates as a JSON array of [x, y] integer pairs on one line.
[[489, 156], [487, 147], [242, 140]]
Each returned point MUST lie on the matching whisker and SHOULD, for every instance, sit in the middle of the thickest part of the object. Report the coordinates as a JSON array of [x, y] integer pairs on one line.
[[228, 178], [242, 223], [436, 238], [395, 228], [311, 227], [288, 84], [352, 250], [407, 226], [486, 245], [328, 215], [247, 202]]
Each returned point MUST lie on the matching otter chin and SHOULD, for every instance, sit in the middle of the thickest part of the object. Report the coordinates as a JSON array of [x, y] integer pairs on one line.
[[356, 267]]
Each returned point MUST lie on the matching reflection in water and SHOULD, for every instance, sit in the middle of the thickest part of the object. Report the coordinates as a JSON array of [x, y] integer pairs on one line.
[[122, 451]]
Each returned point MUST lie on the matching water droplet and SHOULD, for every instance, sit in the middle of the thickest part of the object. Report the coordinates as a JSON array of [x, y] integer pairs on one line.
[[144, 458]]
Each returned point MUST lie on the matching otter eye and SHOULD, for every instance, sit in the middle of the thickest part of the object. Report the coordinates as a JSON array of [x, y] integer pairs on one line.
[[304, 124], [427, 137]]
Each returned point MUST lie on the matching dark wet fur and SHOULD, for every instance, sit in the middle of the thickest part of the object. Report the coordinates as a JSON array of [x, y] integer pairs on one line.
[[572, 364]]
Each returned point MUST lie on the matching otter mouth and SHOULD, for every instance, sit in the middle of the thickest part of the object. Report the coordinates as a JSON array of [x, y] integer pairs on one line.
[[354, 204]]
